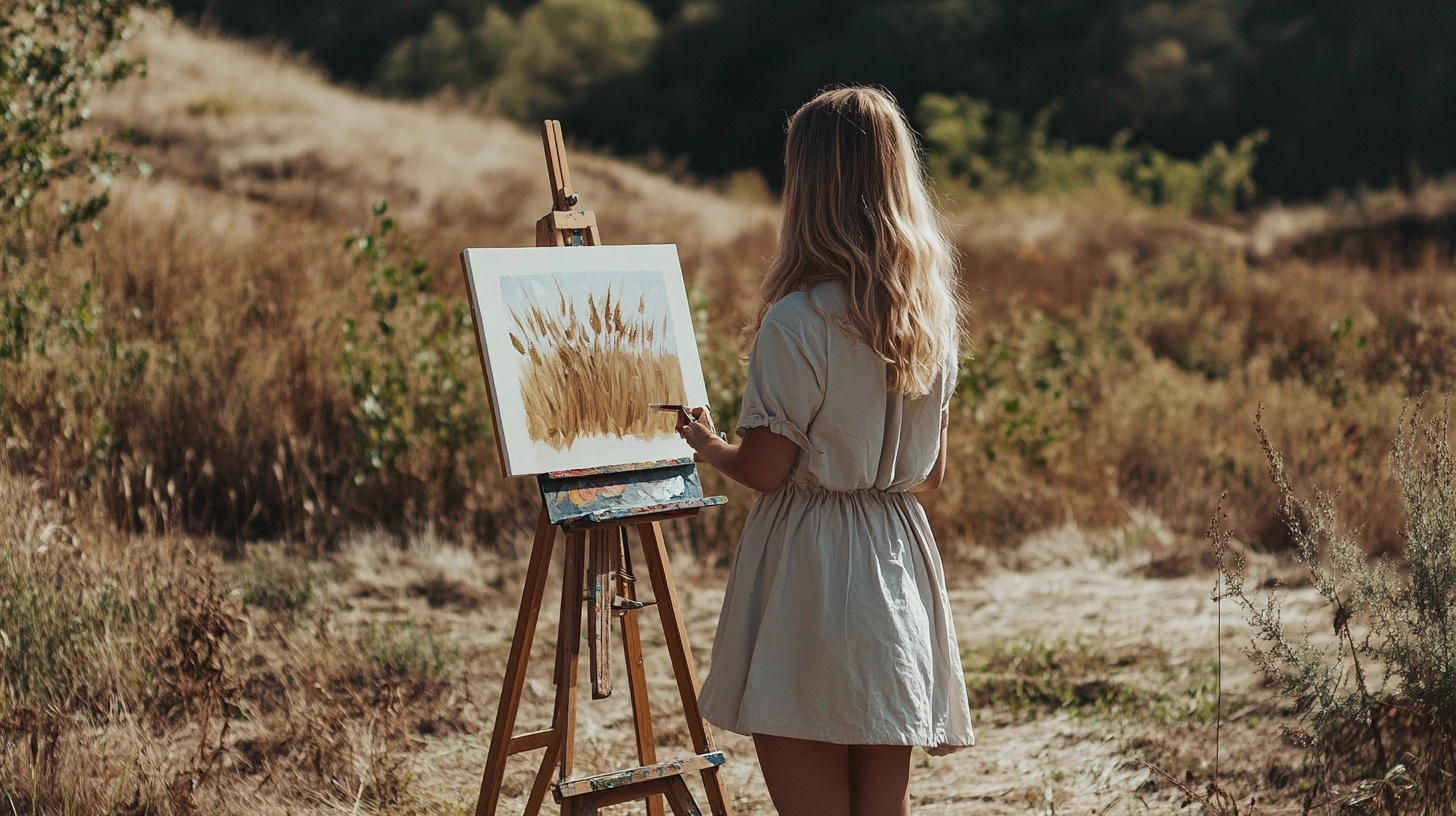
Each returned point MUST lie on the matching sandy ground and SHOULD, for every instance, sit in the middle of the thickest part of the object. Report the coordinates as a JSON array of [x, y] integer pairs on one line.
[[1053, 762]]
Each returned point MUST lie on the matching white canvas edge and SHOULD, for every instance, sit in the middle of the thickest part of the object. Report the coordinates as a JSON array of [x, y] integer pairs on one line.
[[521, 456]]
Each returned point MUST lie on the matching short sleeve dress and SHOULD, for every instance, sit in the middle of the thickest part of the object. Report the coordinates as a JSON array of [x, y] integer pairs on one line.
[[835, 624]]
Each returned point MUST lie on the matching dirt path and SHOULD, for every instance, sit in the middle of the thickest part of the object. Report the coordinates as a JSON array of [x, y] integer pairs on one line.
[[1066, 762]]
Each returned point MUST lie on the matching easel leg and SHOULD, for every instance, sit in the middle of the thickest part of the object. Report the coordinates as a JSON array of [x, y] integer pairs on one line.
[[515, 679], [675, 633], [601, 576], [637, 676], [568, 651]]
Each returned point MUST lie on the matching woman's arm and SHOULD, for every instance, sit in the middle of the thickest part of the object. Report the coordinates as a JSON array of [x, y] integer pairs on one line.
[[761, 461], [937, 471]]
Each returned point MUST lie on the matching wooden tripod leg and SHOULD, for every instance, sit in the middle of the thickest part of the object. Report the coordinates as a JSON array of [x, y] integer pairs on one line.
[[568, 651], [515, 679], [636, 674], [601, 577], [676, 635]]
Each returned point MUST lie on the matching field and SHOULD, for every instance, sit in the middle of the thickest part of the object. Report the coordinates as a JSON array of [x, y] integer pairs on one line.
[[257, 554]]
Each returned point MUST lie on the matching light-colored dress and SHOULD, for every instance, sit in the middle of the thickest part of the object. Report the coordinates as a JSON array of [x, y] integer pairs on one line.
[[835, 624]]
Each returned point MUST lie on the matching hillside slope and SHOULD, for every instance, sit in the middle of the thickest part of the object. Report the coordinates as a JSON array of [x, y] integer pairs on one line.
[[224, 119]]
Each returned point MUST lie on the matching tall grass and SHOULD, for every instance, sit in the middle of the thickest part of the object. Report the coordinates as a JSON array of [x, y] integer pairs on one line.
[[140, 675]]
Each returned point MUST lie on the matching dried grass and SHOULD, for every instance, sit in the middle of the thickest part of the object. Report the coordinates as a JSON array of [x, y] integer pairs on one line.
[[142, 676]]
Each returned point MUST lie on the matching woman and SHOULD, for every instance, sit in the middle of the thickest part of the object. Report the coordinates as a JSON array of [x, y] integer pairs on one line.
[[835, 648]]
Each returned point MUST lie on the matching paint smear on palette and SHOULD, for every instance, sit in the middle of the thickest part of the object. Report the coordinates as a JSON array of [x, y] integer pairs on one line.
[[597, 348]]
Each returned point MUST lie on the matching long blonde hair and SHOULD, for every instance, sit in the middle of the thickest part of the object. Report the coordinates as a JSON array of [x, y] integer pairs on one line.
[[856, 210]]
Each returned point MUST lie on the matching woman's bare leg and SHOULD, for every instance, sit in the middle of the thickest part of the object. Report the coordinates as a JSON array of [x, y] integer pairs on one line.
[[805, 777], [879, 780]]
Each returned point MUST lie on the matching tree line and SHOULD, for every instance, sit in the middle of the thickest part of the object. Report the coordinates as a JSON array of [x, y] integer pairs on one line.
[[1350, 93]]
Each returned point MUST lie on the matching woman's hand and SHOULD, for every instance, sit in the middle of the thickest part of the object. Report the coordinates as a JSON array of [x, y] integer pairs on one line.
[[762, 462], [695, 426]]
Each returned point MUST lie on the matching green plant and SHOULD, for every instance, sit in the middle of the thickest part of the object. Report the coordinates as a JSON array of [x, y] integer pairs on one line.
[[409, 368], [53, 56], [1379, 704], [1029, 387], [1026, 677], [402, 652], [273, 582], [995, 153]]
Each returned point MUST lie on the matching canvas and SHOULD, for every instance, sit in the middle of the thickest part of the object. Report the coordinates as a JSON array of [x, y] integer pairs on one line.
[[576, 342]]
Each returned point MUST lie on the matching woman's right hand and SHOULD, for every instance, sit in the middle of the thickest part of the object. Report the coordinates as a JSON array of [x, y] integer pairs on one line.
[[695, 426]]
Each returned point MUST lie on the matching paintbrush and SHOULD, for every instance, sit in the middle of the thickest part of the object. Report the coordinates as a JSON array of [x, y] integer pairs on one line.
[[674, 406]]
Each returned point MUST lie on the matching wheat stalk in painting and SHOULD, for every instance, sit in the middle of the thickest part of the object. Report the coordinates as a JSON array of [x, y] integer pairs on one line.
[[594, 374]]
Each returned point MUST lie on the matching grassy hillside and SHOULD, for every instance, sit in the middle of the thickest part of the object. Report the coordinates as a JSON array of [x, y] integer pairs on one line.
[[1116, 356], [208, 395]]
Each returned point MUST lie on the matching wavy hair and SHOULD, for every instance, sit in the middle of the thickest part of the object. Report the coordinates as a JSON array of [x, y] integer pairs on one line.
[[856, 209]]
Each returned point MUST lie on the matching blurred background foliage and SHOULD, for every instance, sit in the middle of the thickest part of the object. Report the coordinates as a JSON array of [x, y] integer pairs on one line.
[[1350, 93]]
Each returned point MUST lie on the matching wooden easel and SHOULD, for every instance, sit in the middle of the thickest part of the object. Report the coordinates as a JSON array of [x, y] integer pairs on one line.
[[597, 573]]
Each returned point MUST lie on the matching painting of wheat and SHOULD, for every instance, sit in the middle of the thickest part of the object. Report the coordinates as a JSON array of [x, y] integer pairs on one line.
[[592, 370], [575, 343]]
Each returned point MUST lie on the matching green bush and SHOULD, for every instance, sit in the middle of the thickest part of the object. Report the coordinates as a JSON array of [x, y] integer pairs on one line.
[[996, 153], [1379, 705], [421, 417], [53, 56], [280, 585], [444, 56]]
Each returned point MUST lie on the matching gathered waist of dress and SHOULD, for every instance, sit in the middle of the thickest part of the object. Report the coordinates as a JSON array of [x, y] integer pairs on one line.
[[812, 488]]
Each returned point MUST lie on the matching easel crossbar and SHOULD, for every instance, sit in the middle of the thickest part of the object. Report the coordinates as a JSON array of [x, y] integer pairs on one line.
[[618, 779]]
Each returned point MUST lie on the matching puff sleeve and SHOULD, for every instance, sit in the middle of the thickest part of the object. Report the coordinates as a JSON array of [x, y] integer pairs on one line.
[[785, 390]]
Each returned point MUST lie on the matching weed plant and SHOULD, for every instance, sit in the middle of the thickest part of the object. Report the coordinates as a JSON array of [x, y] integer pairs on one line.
[[1378, 707]]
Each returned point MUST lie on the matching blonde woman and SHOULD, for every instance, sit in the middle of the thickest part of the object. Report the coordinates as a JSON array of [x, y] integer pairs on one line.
[[835, 648]]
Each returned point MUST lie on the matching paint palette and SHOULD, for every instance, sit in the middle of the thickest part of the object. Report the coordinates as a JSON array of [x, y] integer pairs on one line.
[[596, 495]]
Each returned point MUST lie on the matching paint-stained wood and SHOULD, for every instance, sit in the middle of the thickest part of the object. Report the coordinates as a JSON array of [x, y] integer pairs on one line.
[[573, 220], [589, 497], [631, 776], [674, 788], [601, 588]]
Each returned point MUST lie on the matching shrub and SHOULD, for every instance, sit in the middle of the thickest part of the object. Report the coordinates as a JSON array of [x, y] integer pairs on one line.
[[995, 153], [53, 56], [410, 367], [1379, 706], [279, 585], [444, 56]]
